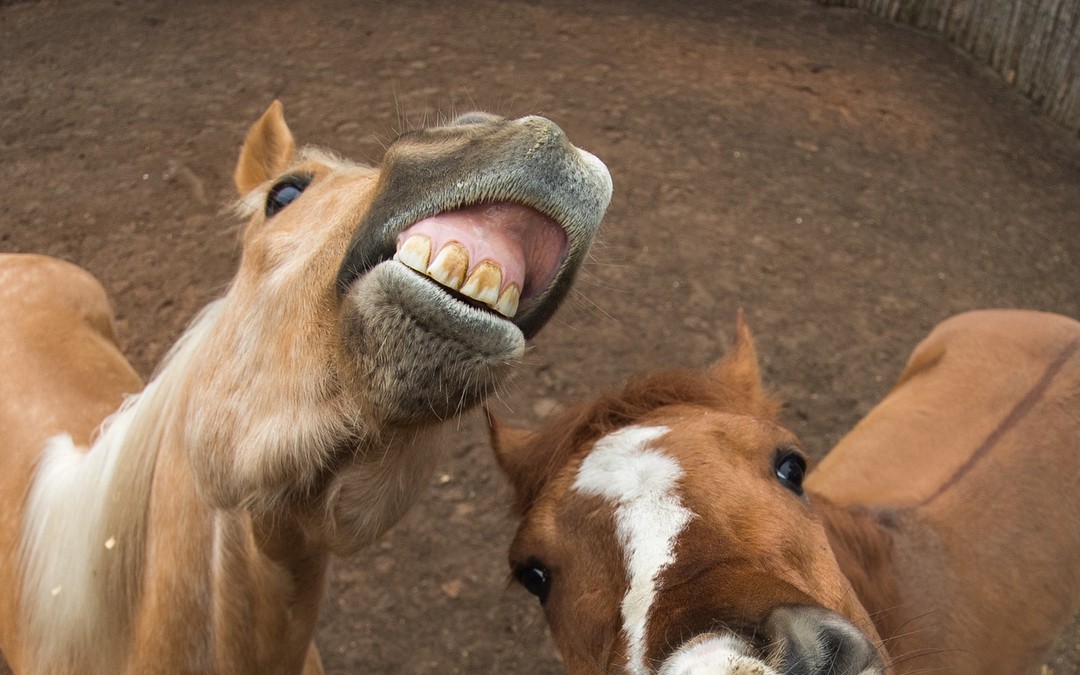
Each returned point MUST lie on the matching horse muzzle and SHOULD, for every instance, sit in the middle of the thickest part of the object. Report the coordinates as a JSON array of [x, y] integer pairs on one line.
[[795, 639], [491, 214]]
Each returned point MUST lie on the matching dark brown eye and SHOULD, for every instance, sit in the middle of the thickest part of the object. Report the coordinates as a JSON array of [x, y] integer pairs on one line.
[[790, 468], [284, 192], [535, 578]]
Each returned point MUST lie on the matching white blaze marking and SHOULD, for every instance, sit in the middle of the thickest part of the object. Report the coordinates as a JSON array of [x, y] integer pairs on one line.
[[627, 469]]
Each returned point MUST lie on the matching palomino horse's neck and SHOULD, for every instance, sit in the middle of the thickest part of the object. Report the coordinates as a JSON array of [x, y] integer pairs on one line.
[[83, 545]]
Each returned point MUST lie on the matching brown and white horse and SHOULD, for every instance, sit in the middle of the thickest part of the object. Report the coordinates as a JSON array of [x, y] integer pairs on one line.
[[667, 528], [298, 415]]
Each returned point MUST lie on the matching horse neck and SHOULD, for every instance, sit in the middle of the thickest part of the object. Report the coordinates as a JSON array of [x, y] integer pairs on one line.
[[224, 591], [870, 548]]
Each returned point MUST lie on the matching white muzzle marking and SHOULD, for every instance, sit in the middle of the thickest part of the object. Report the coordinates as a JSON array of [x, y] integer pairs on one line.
[[715, 655]]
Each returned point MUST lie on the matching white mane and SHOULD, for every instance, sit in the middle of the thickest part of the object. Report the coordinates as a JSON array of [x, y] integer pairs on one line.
[[83, 537]]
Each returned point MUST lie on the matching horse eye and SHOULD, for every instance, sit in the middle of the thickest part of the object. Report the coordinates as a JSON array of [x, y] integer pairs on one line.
[[535, 578], [284, 192], [790, 469]]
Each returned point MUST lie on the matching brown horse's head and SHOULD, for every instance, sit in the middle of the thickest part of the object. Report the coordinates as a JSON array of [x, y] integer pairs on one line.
[[372, 302], [665, 530]]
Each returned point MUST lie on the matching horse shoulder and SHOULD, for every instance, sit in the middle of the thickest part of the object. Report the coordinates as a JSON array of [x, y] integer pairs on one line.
[[63, 370]]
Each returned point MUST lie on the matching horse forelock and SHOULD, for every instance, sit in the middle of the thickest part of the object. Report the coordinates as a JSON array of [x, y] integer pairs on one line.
[[569, 434], [83, 539]]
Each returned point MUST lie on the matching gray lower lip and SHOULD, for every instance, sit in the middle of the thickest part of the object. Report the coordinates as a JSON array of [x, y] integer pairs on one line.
[[440, 313]]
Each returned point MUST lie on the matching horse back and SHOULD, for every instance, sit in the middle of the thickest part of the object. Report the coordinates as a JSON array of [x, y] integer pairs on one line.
[[62, 372], [987, 393]]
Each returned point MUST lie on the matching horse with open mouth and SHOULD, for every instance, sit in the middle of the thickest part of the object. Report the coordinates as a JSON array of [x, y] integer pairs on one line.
[[297, 416], [667, 528]]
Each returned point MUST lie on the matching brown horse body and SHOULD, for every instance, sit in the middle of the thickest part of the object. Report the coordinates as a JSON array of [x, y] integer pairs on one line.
[[965, 478], [297, 417], [667, 529]]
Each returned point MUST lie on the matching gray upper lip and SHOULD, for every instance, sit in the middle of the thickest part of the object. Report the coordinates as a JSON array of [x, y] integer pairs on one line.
[[527, 161]]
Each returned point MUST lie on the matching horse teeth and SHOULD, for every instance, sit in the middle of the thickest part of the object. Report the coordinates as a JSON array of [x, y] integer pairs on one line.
[[484, 283], [450, 266], [415, 252], [507, 304]]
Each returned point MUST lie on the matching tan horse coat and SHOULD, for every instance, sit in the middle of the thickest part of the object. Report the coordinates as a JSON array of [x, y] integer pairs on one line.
[[297, 417]]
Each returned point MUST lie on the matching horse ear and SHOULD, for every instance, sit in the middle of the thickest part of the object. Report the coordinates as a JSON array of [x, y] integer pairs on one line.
[[268, 150], [509, 444], [738, 370]]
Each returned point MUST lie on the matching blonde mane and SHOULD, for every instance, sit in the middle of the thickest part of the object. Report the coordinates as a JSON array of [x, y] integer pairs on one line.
[[83, 541]]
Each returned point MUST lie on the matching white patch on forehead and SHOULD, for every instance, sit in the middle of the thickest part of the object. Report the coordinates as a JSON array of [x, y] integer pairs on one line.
[[625, 467]]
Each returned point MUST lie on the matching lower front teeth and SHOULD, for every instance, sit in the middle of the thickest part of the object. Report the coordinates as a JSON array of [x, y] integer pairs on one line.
[[450, 267]]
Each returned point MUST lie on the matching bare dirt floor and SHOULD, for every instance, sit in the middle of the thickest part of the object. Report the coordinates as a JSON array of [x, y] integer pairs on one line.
[[848, 182]]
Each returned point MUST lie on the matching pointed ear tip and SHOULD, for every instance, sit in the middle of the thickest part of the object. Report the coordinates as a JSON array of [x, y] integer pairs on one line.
[[276, 110], [271, 122], [267, 150], [507, 441]]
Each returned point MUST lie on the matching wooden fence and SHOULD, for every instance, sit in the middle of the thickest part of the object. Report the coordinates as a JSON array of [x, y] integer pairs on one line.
[[1033, 44]]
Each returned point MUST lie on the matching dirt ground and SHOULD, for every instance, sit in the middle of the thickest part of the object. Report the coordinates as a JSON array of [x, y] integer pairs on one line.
[[848, 182]]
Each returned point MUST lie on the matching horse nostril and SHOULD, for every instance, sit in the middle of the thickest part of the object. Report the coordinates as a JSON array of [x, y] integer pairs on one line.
[[475, 117], [816, 641]]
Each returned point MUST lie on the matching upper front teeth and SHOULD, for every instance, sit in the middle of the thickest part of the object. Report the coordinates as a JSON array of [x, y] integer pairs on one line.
[[415, 252], [484, 283], [507, 305], [450, 267]]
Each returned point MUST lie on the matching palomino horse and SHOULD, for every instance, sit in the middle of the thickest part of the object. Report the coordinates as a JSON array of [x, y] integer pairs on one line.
[[296, 417], [667, 528]]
